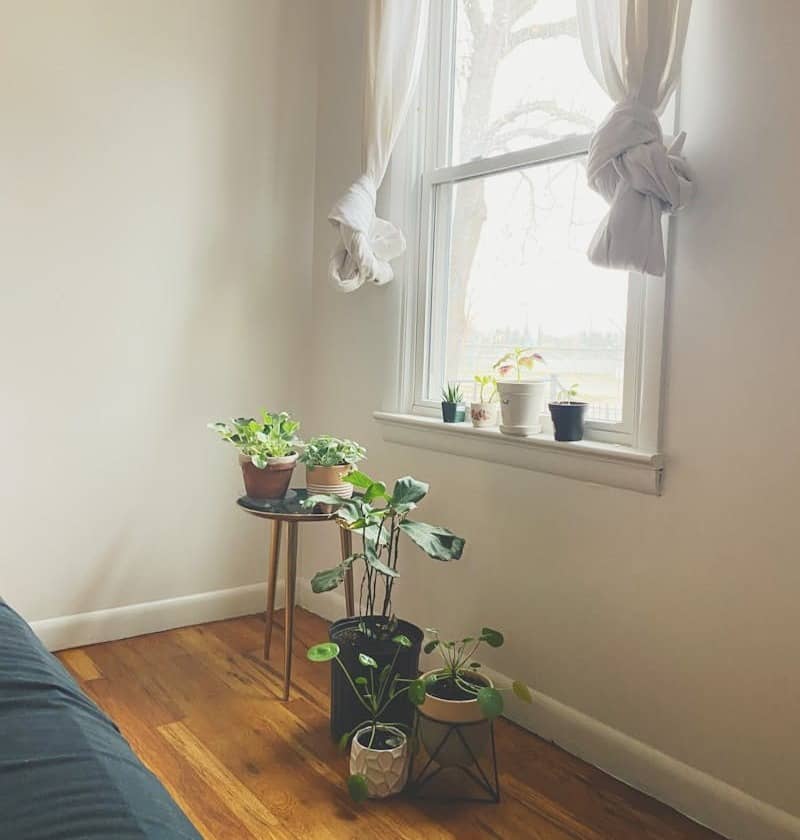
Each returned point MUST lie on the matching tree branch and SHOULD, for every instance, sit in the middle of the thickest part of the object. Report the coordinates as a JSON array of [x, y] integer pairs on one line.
[[567, 26]]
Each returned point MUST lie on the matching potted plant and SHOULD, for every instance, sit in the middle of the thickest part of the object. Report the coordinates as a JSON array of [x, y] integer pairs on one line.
[[328, 460], [267, 451], [458, 693], [379, 756], [568, 414], [453, 408], [378, 517], [521, 401], [484, 412]]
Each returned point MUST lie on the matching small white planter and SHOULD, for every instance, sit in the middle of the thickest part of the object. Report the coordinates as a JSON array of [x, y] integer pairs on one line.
[[386, 771], [483, 414], [521, 406]]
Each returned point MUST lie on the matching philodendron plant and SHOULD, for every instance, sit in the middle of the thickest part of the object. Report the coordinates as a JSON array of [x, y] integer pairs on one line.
[[458, 658], [379, 517], [376, 689], [328, 451], [275, 436]]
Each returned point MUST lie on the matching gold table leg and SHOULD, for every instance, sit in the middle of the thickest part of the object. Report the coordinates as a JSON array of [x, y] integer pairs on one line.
[[272, 577], [291, 581]]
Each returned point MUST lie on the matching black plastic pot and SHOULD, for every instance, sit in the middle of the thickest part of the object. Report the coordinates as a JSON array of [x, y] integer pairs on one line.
[[346, 711], [453, 412], [568, 419]]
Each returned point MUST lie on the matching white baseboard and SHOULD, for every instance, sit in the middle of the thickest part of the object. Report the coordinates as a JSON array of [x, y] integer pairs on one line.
[[702, 797], [134, 620]]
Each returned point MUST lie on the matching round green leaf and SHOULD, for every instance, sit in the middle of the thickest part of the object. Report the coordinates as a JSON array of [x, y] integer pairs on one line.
[[360, 681], [367, 661], [522, 691], [493, 638], [402, 640], [323, 652], [491, 702], [431, 646], [416, 692], [357, 787]]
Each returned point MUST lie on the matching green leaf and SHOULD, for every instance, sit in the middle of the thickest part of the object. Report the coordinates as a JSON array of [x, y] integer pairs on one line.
[[344, 741], [329, 579], [408, 490], [416, 692], [493, 638], [357, 787], [491, 702], [359, 479], [258, 461], [360, 680], [376, 490], [324, 499], [367, 661], [323, 652], [431, 646], [376, 563], [402, 640], [522, 691], [435, 541]]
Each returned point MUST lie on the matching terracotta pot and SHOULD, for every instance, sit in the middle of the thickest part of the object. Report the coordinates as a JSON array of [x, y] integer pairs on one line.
[[386, 771], [270, 483], [330, 480], [434, 724]]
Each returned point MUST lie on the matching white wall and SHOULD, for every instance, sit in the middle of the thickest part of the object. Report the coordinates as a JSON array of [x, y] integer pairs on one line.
[[671, 619], [156, 171]]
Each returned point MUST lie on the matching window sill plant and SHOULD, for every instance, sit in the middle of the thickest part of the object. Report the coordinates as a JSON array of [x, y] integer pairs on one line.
[[521, 401], [458, 693], [453, 408], [379, 517], [483, 413], [379, 755], [568, 414], [328, 460], [267, 451]]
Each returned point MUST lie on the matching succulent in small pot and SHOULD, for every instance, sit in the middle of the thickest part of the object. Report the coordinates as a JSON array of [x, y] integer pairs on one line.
[[568, 413], [521, 400], [453, 408], [483, 413], [328, 461], [379, 753], [458, 693], [267, 451]]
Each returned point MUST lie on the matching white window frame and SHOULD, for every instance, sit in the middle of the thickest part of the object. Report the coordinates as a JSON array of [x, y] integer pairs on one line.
[[408, 197]]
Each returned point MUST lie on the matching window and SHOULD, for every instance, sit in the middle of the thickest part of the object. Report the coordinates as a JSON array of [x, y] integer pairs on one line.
[[505, 218]]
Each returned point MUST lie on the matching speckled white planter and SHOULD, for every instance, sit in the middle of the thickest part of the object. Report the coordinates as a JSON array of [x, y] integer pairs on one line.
[[386, 771], [483, 414]]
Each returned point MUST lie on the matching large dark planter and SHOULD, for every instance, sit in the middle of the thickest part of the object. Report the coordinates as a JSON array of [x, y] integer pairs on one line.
[[568, 420], [346, 711], [454, 412]]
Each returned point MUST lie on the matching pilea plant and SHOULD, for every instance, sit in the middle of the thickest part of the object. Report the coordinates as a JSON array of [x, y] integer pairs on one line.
[[376, 688], [486, 382], [328, 451], [379, 517], [517, 360], [459, 664], [273, 437]]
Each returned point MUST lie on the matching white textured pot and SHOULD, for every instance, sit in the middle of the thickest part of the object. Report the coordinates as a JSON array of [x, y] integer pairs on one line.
[[438, 714], [521, 406], [483, 414], [385, 771]]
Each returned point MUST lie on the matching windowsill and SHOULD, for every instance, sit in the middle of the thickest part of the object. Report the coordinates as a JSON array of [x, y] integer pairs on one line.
[[592, 461]]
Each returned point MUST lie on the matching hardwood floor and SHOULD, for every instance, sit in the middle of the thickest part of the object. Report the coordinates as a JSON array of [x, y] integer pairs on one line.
[[202, 710]]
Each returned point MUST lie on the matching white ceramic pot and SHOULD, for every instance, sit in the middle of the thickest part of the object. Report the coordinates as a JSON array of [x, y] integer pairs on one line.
[[483, 414], [521, 406], [436, 717], [386, 771]]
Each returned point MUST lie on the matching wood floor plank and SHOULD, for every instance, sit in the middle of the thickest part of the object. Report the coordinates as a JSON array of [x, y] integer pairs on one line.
[[203, 710]]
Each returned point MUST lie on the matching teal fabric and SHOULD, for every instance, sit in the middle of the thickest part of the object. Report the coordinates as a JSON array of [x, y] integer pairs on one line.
[[65, 770]]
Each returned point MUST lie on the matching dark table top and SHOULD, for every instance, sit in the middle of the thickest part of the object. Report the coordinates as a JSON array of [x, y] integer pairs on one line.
[[288, 508]]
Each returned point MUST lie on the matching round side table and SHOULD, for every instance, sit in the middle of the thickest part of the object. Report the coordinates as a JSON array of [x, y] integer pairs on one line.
[[290, 510]]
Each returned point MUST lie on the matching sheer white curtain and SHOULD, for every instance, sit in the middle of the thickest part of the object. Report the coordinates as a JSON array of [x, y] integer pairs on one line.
[[633, 48], [396, 31]]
